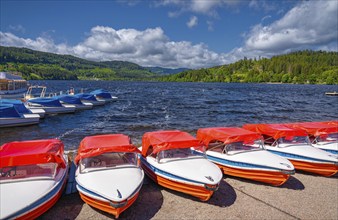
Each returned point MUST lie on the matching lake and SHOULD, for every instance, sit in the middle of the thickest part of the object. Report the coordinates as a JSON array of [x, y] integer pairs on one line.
[[151, 106]]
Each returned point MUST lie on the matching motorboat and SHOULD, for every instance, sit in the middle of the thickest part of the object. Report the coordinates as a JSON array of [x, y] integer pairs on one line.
[[21, 107], [76, 101], [50, 105], [90, 98], [108, 174], [323, 136], [176, 160], [12, 85], [241, 153], [33, 176], [102, 94], [294, 144], [10, 117]]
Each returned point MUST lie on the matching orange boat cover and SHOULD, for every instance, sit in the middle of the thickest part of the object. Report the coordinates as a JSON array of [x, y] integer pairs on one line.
[[315, 128], [226, 135], [95, 145], [20, 153], [275, 130], [164, 140]]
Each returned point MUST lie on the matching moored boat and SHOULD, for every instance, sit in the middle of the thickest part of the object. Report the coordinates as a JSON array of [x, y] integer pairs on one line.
[[239, 152], [102, 94], [21, 107], [12, 85], [323, 136], [50, 105], [90, 98], [10, 117], [176, 160], [108, 174], [33, 176], [294, 144], [76, 101]]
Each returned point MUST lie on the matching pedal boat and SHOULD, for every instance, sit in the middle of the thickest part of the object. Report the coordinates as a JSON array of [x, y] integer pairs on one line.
[[50, 105], [104, 95], [22, 108], [176, 160], [241, 153], [76, 101], [90, 98], [294, 144], [33, 176], [108, 174], [10, 117], [322, 136]]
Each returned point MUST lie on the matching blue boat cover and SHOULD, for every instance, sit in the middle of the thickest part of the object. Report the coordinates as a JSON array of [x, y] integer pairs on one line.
[[48, 102], [86, 96], [70, 99], [8, 111], [102, 93], [19, 105]]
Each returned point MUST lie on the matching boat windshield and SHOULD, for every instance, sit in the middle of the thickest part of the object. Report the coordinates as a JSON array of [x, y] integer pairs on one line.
[[181, 153], [327, 138], [108, 161], [27, 172], [293, 140], [241, 147]]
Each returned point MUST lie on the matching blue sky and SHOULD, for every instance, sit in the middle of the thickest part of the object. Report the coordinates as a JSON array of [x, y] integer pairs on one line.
[[170, 33]]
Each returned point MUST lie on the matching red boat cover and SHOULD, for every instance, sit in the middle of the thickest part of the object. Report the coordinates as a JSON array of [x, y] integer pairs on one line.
[[330, 122], [226, 135], [164, 140], [32, 152], [275, 130], [315, 128], [96, 145]]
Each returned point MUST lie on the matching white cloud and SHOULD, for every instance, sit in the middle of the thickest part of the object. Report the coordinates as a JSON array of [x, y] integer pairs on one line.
[[192, 22], [150, 47]]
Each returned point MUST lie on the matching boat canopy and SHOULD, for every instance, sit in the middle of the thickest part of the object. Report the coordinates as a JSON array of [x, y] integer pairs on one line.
[[330, 122], [19, 105], [164, 140], [49, 102], [226, 134], [96, 145], [102, 93], [86, 96], [275, 130], [70, 99], [20, 153], [315, 128], [8, 111]]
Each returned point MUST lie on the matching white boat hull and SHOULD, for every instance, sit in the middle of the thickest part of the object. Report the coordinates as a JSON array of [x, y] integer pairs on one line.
[[64, 109], [26, 119]]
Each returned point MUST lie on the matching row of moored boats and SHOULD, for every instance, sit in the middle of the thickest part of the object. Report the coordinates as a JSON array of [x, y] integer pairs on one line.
[[14, 112], [110, 169]]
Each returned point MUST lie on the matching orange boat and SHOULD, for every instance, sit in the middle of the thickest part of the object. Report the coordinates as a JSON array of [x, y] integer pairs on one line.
[[294, 144], [239, 152], [176, 160], [33, 176], [108, 174]]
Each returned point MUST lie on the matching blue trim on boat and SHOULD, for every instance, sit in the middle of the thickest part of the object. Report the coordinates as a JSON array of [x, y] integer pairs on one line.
[[41, 201], [164, 173], [238, 164], [330, 151], [294, 156]]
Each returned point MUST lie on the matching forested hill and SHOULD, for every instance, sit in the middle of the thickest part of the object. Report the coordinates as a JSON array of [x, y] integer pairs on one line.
[[41, 65], [315, 67]]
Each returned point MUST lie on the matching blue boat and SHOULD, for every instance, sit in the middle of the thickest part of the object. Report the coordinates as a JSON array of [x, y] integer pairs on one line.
[[74, 100], [50, 105], [89, 98], [10, 116], [22, 108], [102, 94]]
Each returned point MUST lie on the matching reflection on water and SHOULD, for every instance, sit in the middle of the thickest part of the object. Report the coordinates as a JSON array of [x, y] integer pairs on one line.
[[150, 106]]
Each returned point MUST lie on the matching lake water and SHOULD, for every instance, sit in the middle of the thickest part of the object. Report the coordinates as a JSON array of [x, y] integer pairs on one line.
[[151, 106]]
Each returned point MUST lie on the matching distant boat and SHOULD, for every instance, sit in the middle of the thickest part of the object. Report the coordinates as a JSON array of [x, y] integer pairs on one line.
[[331, 93], [10, 117], [12, 85], [102, 94], [74, 100], [50, 105], [90, 98], [33, 176]]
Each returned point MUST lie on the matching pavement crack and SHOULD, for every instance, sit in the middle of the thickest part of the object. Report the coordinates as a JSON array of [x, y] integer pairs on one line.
[[255, 198]]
